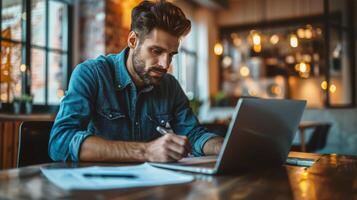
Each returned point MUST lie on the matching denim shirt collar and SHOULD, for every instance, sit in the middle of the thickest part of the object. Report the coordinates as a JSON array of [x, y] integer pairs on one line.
[[122, 77]]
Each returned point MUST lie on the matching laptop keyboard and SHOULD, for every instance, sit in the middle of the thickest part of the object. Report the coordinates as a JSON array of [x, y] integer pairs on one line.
[[198, 160]]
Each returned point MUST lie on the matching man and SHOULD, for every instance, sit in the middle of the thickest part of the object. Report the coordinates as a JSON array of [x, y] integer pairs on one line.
[[115, 103]]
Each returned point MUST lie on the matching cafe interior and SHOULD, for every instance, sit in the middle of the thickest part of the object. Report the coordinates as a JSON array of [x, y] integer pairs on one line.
[[274, 49]]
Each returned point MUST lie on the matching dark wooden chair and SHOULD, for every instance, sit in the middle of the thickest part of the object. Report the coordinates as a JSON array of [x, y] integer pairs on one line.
[[317, 140], [33, 143]]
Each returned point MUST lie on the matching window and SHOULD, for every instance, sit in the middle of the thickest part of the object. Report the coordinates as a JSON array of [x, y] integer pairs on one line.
[[185, 64], [185, 70], [35, 52], [341, 54]]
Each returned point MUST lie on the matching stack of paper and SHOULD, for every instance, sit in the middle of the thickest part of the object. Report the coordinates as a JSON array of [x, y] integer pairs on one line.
[[94, 178]]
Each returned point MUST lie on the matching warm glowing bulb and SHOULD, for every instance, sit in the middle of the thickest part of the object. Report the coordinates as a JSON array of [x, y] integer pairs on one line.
[[22, 67], [290, 59], [256, 39], [324, 85], [218, 49], [303, 67], [333, 88], [227, 61], [276, 90], [308, 33], [318, 31], [244, 71], [294, 41], [274, 39], [307, 57], [301, 33]]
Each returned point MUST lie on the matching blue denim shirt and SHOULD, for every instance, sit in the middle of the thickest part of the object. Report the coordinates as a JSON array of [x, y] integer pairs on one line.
[[102, 100]]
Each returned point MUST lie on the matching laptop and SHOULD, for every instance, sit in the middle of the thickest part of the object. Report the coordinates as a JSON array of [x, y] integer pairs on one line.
[[260, 134]]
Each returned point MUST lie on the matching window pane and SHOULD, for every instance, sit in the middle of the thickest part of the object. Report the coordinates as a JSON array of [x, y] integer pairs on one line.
[[11, 19], [38, 75], [10, 71], [340, 88], [58, 31], [340, 55], [185, 72], [38, 22], [56, 77]]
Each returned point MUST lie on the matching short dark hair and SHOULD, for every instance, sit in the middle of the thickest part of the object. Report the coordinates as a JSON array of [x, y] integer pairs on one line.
[[163, 15]]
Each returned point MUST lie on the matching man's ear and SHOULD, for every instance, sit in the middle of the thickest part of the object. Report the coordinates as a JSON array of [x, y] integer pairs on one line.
[[133, 40]]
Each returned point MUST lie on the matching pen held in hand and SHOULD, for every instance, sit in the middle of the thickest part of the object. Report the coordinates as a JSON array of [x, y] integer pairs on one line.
[[159, 128], [162, 130]]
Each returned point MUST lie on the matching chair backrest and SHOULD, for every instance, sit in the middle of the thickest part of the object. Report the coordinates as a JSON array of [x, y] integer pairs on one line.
[[318, 138], [33, 143]]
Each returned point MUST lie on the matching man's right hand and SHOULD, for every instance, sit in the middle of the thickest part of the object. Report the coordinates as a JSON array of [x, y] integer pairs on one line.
[[168, 148]]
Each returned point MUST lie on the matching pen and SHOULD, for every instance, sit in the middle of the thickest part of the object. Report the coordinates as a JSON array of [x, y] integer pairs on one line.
[[159, 128], [162, 130], [89, 175]]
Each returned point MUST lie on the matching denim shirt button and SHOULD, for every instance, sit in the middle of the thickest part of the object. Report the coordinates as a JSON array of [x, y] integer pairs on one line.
[[162, 121], [110, 115]]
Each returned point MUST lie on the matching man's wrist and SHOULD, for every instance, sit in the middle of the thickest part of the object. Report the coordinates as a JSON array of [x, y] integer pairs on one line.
[[130, 151], [144, 152], [140, 151], [213, 146]]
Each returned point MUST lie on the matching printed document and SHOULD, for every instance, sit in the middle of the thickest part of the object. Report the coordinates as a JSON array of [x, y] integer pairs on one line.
[[97, 177]]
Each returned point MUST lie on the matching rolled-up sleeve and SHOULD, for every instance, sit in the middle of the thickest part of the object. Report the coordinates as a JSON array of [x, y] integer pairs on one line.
[[186, 123], [70, 127]]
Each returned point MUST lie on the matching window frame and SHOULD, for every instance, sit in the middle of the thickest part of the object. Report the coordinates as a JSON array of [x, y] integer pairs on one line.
[[27, 46]]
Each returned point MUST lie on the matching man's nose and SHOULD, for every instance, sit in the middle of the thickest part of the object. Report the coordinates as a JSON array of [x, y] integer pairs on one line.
[[165, 61]]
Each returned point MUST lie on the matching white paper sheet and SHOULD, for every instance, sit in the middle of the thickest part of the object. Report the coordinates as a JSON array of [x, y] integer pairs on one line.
[[145, 175]]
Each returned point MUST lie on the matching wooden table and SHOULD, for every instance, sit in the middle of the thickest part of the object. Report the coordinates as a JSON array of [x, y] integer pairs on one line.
[[307, 125], [331, 177]]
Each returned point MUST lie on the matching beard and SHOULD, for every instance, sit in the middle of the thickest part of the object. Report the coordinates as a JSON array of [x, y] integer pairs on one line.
[[143, 73]]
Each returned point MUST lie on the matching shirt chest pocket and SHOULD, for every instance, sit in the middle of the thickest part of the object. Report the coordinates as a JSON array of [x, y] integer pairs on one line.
[[111, 124]]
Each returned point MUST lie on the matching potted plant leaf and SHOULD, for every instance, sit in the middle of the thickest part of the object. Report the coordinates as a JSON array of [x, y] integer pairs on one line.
[[27, 100]]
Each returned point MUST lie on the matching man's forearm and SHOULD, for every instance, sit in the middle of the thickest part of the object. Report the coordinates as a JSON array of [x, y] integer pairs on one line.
[[96, 149], [213, 146]]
